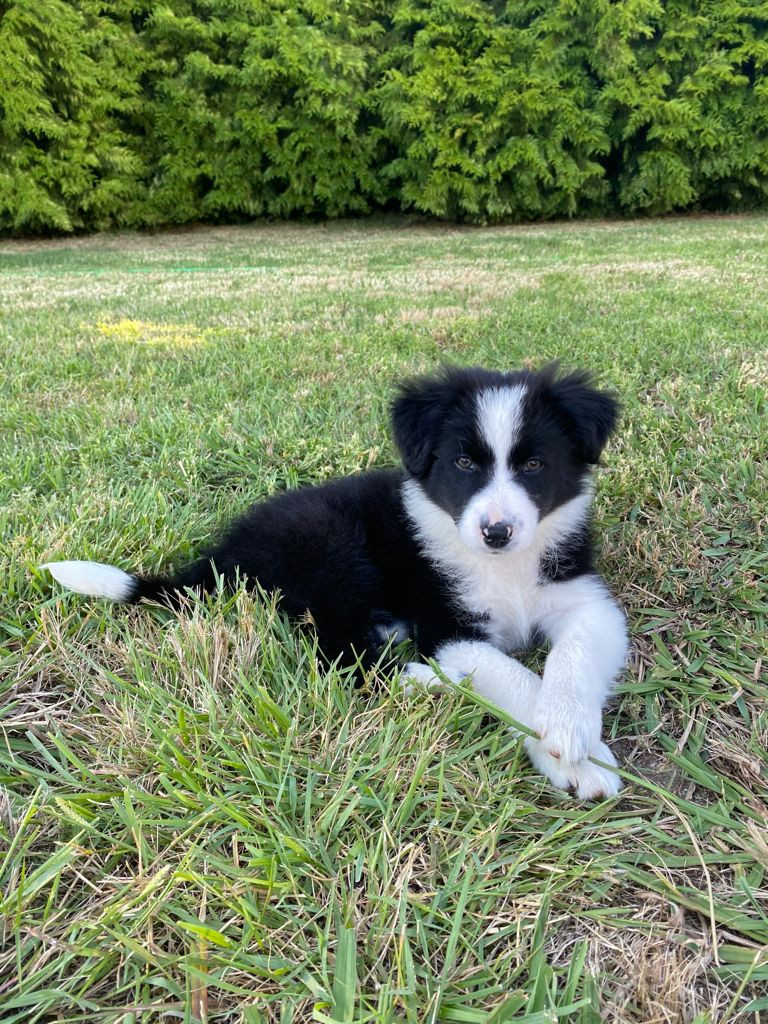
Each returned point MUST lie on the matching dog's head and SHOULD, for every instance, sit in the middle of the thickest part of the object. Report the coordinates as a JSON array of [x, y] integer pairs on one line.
[[499, 452]]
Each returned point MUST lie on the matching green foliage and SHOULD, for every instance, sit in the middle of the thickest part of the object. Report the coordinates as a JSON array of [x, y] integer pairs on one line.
[[69, 79], [257, 108], [685, 93], [135, 112], [494, 109]]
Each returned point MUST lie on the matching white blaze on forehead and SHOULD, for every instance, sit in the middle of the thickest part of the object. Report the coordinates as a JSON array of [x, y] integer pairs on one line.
[[500, 417], [500, 414]]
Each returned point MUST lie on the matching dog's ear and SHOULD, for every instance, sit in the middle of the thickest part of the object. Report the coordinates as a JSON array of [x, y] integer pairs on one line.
[[417, 413], [591, 415]]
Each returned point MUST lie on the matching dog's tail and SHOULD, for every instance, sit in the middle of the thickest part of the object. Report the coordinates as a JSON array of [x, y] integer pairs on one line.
[[98, 580]]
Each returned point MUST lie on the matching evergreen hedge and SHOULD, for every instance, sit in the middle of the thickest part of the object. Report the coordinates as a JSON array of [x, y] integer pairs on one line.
[[135, 112]]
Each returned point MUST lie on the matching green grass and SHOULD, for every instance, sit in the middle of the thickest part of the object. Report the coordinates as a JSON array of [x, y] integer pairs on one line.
[[198, 822]]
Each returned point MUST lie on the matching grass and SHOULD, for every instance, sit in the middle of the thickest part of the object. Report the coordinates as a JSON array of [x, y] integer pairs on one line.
[[198, 822]]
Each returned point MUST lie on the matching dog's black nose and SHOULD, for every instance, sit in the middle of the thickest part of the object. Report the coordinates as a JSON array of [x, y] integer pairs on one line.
[[497, 534]]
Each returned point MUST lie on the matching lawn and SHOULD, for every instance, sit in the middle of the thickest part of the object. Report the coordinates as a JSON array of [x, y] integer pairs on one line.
[[200, 823]]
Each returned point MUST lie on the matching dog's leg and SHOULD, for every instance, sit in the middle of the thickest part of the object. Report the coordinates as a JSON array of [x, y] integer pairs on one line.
[[589, 648], [516, 690]]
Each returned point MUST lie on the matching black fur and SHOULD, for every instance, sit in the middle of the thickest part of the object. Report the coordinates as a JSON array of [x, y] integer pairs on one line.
[[344, 552], [569, 560]]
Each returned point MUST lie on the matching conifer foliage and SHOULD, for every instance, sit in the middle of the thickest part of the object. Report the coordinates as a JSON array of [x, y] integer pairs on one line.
[[69, 117], [136, 112]]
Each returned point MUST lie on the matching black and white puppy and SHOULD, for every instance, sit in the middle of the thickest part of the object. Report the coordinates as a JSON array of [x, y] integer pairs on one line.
[[481, 547]]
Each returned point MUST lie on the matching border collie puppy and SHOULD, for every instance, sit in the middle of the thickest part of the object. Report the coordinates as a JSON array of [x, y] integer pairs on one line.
[[480, 548]]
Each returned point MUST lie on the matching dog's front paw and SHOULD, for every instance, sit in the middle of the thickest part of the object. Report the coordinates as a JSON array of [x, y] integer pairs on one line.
[[549, 766], [586, 780], [567, 729], [591, 781]]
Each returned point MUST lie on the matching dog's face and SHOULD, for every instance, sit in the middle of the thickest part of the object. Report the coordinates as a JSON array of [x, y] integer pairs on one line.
[[500, 452]]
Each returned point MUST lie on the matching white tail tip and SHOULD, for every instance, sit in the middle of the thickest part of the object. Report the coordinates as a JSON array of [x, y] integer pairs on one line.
[[93, 579]]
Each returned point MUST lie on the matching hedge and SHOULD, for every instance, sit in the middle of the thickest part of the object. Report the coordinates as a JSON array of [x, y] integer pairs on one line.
[[134, 113]]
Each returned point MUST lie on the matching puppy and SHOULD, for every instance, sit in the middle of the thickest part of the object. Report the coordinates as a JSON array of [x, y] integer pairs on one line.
[[481, 547]]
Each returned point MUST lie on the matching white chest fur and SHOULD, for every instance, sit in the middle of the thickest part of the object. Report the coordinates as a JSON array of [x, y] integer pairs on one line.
[[501, 593]]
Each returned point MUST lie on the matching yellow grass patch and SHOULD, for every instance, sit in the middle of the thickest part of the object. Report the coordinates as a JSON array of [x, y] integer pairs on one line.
[[137, 331]]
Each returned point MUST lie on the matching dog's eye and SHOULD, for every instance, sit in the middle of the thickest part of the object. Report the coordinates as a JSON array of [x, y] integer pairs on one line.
[[532, 465], [464, 462]]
